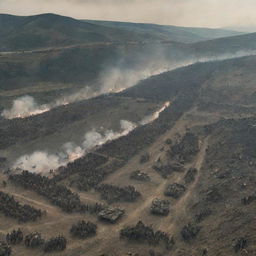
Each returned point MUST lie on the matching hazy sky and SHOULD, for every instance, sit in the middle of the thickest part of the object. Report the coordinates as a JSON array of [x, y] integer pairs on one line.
[[205, 13]]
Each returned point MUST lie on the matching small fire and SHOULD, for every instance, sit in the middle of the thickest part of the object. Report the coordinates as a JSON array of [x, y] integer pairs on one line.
[[43, 162], [155, 115], [74, 156], [116, 90]]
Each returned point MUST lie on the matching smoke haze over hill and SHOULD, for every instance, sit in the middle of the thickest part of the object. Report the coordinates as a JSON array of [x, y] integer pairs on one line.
[[112, 80], [200, 13]]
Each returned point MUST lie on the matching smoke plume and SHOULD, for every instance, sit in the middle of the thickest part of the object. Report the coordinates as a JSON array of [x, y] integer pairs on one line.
[[43, 162], [24, 106], [112, 80], [201, 13]]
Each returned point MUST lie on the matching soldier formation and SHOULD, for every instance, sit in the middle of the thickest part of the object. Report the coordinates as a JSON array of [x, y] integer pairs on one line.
[[83, 229], [58, 195], [58, 243], [34, 240], [189, 231], [15, 237], [5, 249], [186, 149], [11, 208], [112, 193], [142, 233]]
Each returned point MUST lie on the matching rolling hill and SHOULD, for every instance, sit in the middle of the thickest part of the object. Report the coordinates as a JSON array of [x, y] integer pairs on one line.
[[166, 166], [240, 43], [51, 30], [198, 155], [173, 33]]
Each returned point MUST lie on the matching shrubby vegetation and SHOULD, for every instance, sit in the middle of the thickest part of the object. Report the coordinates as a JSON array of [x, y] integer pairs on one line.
[[83, 229], [5, 249], [86, 166], [113, 193], [12, 208], [55, 244], [144, 158], [34, 240], [190, 175], [186, 149], [142, 233], [166, 170], [203, 214], [240, 244], [189, 231], [58, 195], [15, 237]]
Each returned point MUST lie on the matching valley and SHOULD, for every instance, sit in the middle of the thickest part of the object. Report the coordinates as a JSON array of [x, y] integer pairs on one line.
[[157, 156]]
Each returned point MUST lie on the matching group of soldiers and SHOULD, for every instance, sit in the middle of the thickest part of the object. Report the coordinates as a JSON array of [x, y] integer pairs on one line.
[[12, 208], [112, 193], [190, 231], [142, 233], [83, 229], [32, 240], [186, 149]]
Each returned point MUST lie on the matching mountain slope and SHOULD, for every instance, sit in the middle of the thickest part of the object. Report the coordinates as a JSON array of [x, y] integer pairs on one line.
[[51, 30], [226, 45], [209, 125], [175, 33]]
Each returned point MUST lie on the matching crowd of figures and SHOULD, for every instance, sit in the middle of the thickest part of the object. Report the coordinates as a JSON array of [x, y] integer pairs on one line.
[[5, 249], [32, 240], [142, 233], [58, 243], [58, 195], [84, 165], [186, 149], [82, 229], [12, 208], [113, 193], [190, 231], [15, 237]]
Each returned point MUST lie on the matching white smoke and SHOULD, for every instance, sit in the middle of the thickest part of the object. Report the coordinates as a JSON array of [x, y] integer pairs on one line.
[[112, 80], [155, 115], [43, 162], [38, 162], [24, 106]]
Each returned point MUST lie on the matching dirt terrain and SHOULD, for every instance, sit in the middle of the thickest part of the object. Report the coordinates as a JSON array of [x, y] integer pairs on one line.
[[208, 127]]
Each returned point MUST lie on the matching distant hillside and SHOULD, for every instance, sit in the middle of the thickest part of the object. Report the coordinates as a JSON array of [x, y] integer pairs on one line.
[[245, 29], [179, 34], [227, 45], [51, 30]]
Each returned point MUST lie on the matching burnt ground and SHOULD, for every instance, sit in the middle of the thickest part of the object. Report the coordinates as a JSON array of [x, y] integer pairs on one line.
[[214, 102]]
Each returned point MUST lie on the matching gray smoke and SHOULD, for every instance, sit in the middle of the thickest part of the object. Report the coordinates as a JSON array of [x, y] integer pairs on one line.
[[24, 106], [112, 80], [43, 162]]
